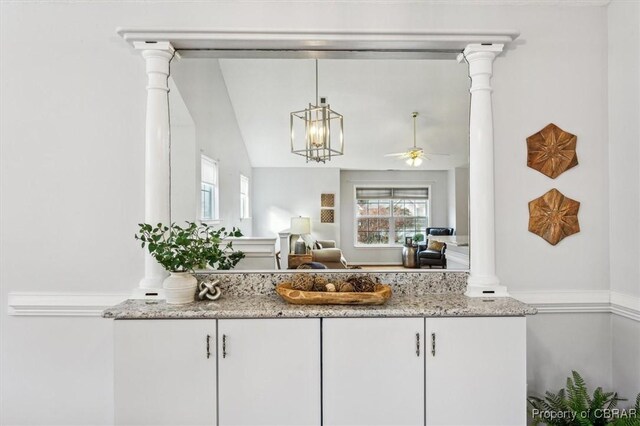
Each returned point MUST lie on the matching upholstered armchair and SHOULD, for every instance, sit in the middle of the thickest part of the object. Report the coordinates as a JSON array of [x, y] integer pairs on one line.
[[434, 254], [329, 255], [325, 252]]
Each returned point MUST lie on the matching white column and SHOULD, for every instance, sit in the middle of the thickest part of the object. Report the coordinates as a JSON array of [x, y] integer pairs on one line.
[[482, 280], [157, 179], [284, 248]]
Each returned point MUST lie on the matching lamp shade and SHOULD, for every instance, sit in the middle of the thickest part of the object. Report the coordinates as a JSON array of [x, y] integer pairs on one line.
[[300, 225]]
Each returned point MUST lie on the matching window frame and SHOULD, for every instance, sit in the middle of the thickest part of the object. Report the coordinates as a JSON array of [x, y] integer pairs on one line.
[[216, 191], [391, 218], [244, 178]]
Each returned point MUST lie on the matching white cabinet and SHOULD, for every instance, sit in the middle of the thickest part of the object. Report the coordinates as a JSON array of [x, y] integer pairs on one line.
[[476, 373], [165, 372], [373, 371], [269, 372]]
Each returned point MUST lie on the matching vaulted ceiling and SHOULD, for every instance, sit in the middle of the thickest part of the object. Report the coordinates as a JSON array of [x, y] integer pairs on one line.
[[376, 98]]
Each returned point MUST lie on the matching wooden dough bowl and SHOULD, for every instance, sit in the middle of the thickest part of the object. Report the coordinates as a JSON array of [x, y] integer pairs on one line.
[[381, 294]]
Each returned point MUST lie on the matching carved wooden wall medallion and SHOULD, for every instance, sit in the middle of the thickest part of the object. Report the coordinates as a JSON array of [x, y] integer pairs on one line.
[[554, 216], [552, 151]]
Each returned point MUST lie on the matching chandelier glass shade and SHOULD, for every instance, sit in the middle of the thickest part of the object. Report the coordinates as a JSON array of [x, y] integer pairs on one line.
[[317, 132]]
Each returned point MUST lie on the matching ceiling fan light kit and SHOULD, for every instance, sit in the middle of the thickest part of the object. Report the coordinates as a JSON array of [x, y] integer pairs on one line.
[[414, 156], [322, 130]]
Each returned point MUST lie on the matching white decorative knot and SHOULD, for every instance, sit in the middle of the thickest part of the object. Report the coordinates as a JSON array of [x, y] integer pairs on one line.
[[210, 290]]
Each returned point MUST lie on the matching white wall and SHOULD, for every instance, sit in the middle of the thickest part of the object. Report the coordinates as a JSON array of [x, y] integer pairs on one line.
[[437, 180], [72, 132], [203, 90], [185, 158], [624, 184], [560, 343], [458, 199], [282, 193]]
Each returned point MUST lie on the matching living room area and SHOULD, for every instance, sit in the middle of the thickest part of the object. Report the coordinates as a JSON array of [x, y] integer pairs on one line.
[[392, 194]]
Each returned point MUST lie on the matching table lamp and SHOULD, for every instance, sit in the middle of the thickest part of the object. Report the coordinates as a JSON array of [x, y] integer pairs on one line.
[[300, 226]]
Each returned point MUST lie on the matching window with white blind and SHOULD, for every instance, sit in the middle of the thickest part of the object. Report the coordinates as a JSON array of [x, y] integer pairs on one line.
[[245, 211], [209, 197], [385, 216]]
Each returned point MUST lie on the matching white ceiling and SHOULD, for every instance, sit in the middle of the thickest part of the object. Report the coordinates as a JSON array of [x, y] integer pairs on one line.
[[376, 98]]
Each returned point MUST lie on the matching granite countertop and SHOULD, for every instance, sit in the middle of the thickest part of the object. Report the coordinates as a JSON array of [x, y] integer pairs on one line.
[[272, 306]]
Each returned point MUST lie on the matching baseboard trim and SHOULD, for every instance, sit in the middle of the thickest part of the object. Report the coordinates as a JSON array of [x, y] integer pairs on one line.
[[62, 304], [581, 301]]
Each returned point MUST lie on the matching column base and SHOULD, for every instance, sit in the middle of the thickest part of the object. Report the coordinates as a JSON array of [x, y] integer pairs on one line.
[[148, 294], [486, 291], [485, 286], [149, 288]]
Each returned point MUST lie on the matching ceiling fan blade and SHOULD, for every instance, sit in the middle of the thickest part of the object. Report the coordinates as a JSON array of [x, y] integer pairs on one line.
[[435, 153], [397, 154]]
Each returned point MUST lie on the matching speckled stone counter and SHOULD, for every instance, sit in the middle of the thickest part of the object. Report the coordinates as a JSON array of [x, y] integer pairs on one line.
[[272, 306]]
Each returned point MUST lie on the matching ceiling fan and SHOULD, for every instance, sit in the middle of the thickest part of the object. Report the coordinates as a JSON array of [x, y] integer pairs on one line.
[[414, 155]]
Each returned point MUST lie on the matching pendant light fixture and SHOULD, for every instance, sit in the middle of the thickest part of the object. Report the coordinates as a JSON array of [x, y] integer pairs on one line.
[[317, 131]]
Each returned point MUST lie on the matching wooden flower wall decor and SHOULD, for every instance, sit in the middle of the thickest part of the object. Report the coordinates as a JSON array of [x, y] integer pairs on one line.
[[552, 151], [554, 216]]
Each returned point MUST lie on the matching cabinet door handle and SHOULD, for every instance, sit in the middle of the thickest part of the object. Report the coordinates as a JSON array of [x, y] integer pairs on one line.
[[208, 346], [417, 344], [224, 346], [433, 344]]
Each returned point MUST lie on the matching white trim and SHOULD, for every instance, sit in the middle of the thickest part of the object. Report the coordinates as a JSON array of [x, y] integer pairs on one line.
[[400, 42], [561, 301], [625, 305], [65, 304], [579, 301]]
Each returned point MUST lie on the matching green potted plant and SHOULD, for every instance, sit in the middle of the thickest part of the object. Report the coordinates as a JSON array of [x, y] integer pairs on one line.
[[181, 250], [418, 238], [574, 406]]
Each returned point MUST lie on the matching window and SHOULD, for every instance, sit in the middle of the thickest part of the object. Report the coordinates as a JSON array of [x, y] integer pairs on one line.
[[208, 189], [245, 211], [384, 216]]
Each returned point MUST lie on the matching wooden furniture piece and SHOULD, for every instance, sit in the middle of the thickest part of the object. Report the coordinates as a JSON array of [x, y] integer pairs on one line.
[[296, 260], [381, 294]]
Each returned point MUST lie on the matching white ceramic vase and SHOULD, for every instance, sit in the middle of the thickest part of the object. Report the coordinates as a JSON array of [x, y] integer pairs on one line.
[[180, 288]]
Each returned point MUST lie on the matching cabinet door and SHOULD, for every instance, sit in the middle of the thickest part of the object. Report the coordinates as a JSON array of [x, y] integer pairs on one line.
[[269, 372], [163, 372], [477, 375], [373, 371]]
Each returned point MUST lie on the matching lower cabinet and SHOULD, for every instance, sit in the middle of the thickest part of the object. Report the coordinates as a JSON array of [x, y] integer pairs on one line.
[[336, 371], [373, 371], [165, 372], [269, 372], [476, 371]]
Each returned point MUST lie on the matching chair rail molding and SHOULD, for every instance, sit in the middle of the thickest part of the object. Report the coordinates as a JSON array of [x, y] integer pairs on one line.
[[581, 301], [74, 304], [62, 304], [478, 49]]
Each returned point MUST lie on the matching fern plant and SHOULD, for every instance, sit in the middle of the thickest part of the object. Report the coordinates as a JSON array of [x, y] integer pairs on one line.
[[573, 406]]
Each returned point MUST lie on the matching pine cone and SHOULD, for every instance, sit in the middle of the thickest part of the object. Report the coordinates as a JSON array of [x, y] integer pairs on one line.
[[319, 284], [302, 282], [344, 287], [362, 284], [331, 287]]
